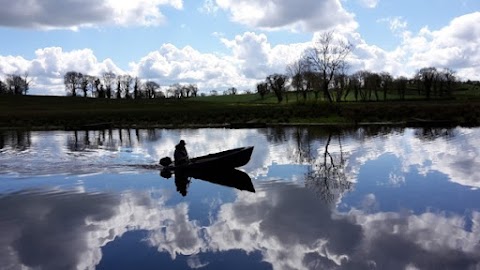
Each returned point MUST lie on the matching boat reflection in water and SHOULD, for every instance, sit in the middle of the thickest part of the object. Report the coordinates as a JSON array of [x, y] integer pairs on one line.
[[230, 178]]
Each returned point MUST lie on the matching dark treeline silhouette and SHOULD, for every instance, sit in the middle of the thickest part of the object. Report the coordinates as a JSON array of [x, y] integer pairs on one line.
[[110, 85], [15, 84]]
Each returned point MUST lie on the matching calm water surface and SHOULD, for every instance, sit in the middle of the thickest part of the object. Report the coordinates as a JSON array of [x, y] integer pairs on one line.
[[352, 199]]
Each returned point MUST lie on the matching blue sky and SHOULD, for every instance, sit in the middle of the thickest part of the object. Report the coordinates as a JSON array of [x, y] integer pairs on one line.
[[223, 43]]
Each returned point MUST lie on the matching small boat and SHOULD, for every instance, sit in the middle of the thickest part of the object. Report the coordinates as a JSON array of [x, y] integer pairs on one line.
[[228, 159]]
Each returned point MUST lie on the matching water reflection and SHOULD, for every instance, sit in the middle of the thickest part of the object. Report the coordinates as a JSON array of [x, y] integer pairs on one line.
[[106, 139], [227, 177], [17, 140], [328, 175], [368, 198], [288, 225]]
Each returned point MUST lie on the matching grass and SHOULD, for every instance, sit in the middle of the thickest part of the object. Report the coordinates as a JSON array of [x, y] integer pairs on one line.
[[69, 112]]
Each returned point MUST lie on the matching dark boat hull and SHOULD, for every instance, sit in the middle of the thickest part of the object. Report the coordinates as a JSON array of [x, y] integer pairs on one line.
[[229, 159]]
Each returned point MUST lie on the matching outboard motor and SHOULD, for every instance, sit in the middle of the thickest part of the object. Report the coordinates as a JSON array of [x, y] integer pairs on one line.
[[166, 161]]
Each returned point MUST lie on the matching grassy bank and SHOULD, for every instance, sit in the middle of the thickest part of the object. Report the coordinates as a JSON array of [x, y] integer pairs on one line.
[[68, 112]]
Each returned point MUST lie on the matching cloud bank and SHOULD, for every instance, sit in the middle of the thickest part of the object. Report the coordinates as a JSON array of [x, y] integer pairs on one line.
[[72, 14]]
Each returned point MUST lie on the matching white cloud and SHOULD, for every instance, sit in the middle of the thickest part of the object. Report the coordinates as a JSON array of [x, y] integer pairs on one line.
[[455, 46], [209, 7], [369, 3], [72, 14], [303, 15], [251, 57], [396, 24]]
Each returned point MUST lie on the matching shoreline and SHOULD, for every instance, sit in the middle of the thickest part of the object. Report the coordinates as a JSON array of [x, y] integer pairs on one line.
[[403, 124]]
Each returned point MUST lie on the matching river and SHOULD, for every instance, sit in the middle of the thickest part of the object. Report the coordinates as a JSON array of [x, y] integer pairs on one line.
[[367, 198]]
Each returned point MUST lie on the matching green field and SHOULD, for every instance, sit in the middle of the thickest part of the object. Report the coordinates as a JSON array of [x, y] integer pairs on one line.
[[46, 112]]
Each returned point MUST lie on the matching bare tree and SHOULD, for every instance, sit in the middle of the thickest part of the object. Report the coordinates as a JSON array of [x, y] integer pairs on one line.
[[119, 87], [447, 77], [231, 91], [108, 79], [262, 89], [296, 71], [427, 76], [326, 58], [401, 86], [386, 81], [276, 83], [193, 89], [125, 84], [72, 81], [137, 88], [151, 88], [3, 88]]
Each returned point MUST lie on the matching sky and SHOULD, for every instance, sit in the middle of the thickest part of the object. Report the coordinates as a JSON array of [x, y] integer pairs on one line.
[[218, 44]]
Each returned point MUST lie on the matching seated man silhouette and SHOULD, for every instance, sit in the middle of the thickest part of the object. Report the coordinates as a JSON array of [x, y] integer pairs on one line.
[[181, 155]]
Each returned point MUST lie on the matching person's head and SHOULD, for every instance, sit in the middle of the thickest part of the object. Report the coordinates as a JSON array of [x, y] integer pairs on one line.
[[182, 143]]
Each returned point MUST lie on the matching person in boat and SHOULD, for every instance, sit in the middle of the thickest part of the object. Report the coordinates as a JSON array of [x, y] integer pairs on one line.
[[181, 155]]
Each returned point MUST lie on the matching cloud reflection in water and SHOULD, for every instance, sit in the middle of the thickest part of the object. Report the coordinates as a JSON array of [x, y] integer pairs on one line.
[[287, 224]]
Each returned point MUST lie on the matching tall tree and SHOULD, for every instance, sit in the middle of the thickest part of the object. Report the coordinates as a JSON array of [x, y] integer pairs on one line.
[[386, 83], [276, 83], [136, 88], [262, 89], [296, 71], [72, 81], [3, 88], [126, 82], [151, 88], [327, 57], [108, 79], [427, 76], [401, 86]]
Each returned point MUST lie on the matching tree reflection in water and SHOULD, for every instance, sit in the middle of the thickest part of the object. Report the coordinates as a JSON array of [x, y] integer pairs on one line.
[[327, 176], [80, 140], [17, 140]]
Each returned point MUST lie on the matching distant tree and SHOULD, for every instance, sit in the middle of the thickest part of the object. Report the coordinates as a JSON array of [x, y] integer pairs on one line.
[[176, 90], [151, 88], [126, 83], [327, 57], [372, 84], [386, 81], [401, 86], [427, 77], [354, 83], [314, 83], [119, 87], [108, 80], [101, 90], [3, 88], [72, 81], [276, 83], [296, 71], [192, 90], [84, 83], [232, 91], [447, 78], [340, 82], [213, 92], [137, 87], [262, 89]]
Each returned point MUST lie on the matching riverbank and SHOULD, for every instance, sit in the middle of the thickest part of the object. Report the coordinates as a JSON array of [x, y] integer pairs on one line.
[[38, 112]]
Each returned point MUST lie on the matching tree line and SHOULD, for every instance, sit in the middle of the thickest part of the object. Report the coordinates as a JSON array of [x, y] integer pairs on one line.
[[322, 70], [15, 85], [109, 85]]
